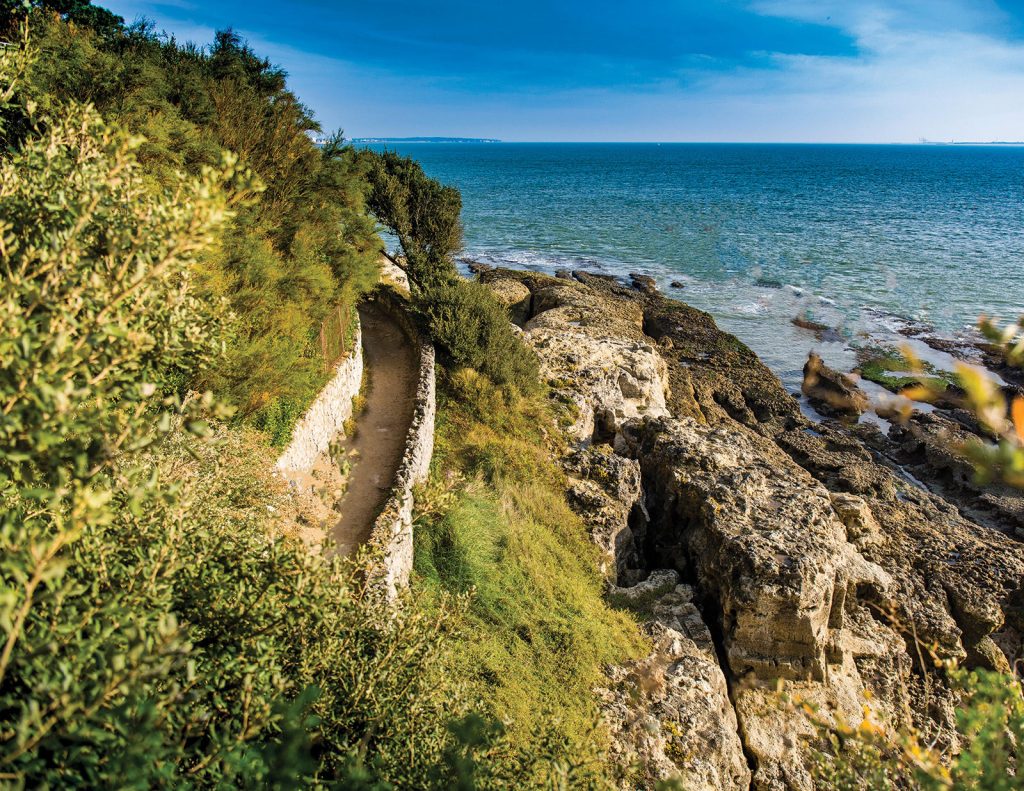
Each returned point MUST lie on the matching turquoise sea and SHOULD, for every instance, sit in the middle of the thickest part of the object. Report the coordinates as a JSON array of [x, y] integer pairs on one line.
[[864, 238]]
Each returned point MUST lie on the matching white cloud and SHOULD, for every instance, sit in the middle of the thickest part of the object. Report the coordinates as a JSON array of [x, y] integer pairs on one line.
[[936, 70]]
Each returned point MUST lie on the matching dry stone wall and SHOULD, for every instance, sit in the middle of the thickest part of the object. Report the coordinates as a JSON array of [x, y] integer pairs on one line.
[[392, 531], [327, 415]]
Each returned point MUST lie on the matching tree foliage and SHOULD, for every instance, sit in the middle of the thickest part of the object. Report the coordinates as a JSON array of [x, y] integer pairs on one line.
[[156, 627], [285, 260], [465, 319], [81, 12], [421, 212]]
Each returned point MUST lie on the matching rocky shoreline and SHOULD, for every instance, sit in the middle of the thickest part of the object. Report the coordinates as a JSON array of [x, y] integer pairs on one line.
[[758, 544]]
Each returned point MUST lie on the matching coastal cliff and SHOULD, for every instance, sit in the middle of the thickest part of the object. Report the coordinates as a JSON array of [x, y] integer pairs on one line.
[[757, 544]]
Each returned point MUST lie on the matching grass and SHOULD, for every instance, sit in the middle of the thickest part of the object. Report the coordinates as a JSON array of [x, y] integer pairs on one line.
[[894, 372], [494, 522]]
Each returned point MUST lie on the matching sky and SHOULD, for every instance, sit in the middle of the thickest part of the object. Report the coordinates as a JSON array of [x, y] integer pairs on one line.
[[608, 70]]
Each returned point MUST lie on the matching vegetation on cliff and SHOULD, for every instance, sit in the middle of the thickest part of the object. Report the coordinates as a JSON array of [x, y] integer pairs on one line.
[[159, 629], [494, 522], [286, 260]]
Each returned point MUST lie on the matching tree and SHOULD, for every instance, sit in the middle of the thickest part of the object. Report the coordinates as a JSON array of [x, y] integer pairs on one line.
[[465, 319], [301, 250], [421, 212], [81, 12]]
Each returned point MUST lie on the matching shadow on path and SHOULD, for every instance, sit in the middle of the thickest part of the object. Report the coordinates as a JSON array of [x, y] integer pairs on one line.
[[375, 451]]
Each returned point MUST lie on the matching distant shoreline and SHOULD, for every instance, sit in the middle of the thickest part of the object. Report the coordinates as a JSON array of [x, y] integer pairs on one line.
[[372, 140], [482, 140]]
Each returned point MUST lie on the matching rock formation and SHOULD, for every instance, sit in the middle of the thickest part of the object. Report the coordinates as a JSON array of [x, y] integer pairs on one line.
[[757, 544], [832, 392]]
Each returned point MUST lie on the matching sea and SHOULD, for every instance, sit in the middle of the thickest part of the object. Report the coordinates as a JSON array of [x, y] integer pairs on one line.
[[876, 242]]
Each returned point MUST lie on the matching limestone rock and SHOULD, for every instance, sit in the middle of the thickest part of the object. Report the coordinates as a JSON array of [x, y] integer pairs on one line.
[[765, 540], [644, 283], [594, 348], [515, 296], [392, 273], [476, 267], [930, 445], [604, 488], [670, 712], [862, 529], [954, 581]]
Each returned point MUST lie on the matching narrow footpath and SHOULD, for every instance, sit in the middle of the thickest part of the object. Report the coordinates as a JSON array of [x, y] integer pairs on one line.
[[375, 452]]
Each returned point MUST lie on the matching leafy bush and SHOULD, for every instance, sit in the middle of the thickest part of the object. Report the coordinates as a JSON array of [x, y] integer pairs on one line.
[[473, 329], [990, 725]]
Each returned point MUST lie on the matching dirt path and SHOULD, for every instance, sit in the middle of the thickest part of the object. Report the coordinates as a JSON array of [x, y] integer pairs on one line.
[[376, 449]]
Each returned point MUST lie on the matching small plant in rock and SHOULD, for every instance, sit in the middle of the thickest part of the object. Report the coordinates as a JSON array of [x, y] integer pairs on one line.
[[872, 754], [1009, 339]]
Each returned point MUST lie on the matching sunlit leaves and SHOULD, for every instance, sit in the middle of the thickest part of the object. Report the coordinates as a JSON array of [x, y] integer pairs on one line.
[[999, 454], [1009, 339], [1017, 413]]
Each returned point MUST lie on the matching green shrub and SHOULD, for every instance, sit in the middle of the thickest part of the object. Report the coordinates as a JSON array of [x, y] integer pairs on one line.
[[303, 245], [473, 330], [990, 727]]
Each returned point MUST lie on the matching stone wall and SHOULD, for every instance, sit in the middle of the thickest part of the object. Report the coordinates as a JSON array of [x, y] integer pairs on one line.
[[324, 419], [392, 531]]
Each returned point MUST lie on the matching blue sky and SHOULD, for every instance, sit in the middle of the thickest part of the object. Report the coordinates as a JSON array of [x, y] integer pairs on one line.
[[710, 70]]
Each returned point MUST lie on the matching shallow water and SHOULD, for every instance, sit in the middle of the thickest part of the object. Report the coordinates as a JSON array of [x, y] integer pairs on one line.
[[855, 237]]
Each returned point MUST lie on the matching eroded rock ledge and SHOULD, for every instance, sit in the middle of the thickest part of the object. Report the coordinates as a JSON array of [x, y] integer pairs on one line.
[[758, 545]]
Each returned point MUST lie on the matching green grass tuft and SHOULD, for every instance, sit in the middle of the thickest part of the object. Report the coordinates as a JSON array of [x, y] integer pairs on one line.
[[892, 371], [538, 631]]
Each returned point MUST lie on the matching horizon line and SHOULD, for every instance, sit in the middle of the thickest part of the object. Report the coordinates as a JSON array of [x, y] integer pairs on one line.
[[426, 139]]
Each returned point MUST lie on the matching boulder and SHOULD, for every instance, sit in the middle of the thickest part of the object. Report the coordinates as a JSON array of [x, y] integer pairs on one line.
[[515, 296], [771, 556], [762, 537], [831, 392], [476, 267], [644, 283]]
